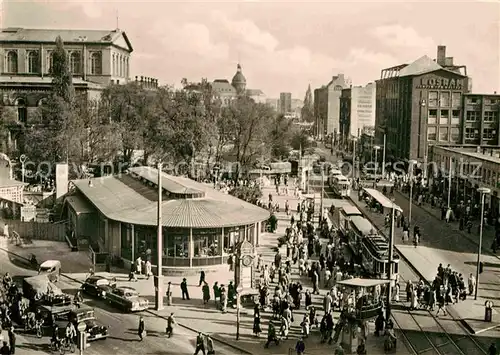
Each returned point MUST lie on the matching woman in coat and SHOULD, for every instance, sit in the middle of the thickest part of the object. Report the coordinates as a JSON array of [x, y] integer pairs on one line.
[[256, 325], [141, 330], [206, 293]]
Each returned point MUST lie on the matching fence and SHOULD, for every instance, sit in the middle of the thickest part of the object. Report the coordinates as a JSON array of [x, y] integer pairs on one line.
[[39, 231], [97, 258]]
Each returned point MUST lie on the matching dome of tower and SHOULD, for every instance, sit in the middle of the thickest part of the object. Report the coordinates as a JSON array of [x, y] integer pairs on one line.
[[239, 82]]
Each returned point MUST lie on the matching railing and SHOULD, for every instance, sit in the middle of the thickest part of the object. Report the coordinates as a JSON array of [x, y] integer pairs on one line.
[[97, 258], [39, 231], [196, 261]]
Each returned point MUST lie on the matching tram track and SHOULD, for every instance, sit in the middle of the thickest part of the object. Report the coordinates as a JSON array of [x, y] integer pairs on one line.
[[429, 335]]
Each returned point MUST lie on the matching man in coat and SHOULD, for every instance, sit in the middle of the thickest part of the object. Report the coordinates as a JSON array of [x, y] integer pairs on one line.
[[184, 289]]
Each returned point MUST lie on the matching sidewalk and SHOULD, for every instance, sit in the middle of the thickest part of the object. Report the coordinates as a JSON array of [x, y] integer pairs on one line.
[[441, 244], [488, 231]]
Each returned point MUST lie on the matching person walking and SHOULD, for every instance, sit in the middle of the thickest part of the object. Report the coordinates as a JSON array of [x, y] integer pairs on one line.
[[148, 269], [12, 340], [202, 278], [210, 345], [141, 330], [206, 293], [200, 344], [184, 289], [300, 347], [170, 325], [5, 350]]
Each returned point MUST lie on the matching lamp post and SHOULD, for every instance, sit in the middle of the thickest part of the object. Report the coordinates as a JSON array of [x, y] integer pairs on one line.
[[376, 148], [383, 157], [412, 163], [391, 256], [422, 105], [159, 245], [449, 182], [354, 140], [483, 191], [23, 159]]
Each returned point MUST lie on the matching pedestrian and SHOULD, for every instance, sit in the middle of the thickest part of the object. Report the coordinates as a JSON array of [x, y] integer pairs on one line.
[[138, 266], [206, 293], [184, 289], [131, 275], [216, 289], [12, 340], [170, 325], [210, 345], [200, 344], [141, 330], [300, 347], [6, 230], [202, 278], [5, 350], [492, 350], [148, 268]]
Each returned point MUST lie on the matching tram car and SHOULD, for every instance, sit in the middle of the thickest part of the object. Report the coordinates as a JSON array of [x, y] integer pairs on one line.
[[370, 249], [344, 215], [340, 185]]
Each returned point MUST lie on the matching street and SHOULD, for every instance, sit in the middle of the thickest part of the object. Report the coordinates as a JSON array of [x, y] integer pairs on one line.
[[123, 338]]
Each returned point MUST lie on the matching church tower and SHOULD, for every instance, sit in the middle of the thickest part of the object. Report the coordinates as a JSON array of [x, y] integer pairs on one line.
[[239, 82]]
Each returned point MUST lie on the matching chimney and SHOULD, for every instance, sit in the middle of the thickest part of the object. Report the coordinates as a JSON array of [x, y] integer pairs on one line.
[[341, 77], [441, 55], [448, 61]]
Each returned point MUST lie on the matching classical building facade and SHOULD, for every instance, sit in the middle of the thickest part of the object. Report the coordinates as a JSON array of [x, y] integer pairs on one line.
[[227, 91], [420, 104], [96, 58], [327, 106]]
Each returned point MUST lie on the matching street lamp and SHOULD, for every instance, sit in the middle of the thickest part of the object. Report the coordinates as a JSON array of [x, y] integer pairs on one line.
[[412, 163], [483, 191], [354, 141], [391, 256], [158, 279], [377, 148], [23, 159], [449, 182]]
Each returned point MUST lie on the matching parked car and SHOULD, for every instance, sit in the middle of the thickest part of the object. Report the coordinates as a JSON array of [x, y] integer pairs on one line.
[[127, 299], [94, 329], [97, 286], [51, 268]]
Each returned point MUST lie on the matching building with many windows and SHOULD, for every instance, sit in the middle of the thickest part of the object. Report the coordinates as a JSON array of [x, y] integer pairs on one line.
[[471, 167], [419, 105], [357, 110], [96, 58], [327, 106], [118, 216], [481, 120]]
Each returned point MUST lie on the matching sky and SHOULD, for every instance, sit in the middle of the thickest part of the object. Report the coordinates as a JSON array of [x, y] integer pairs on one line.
[[283, 46]]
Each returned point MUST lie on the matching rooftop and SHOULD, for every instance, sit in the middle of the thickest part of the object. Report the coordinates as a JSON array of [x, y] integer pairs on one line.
[[11, 183], [17, 34], [489, 154], [132, 198], [46, 80]]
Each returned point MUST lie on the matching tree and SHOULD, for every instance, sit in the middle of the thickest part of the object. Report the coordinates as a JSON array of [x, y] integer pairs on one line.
[[251, 130], [129, 107], [301, 140], [280, 135], [307, 112], [55, 136]]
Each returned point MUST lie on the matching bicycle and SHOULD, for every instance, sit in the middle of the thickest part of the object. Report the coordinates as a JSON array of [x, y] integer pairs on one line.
[[62, 346]]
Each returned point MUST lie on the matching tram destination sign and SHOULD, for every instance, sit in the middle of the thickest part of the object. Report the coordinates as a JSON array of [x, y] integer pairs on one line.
[[440, 84]]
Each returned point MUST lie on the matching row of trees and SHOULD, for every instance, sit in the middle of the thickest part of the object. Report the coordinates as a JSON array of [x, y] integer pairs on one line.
[[172, 125]]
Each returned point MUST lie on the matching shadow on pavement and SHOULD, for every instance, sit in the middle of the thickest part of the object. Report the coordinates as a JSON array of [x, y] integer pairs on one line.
[[34, 347]]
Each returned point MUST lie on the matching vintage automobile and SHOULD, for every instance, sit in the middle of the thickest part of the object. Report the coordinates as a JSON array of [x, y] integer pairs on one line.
[[127, 299], [97, 286], [86, 314], [51, 268]]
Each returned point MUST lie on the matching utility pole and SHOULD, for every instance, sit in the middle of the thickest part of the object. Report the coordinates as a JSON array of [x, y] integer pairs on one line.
[[354, 159], [483, 191], [322, 192], [449, 182], [159, 245], [390, 261], [383, 158]]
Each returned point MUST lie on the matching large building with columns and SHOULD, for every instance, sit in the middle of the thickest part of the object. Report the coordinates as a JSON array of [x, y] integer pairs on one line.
[[118, 215], [96, 59]]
